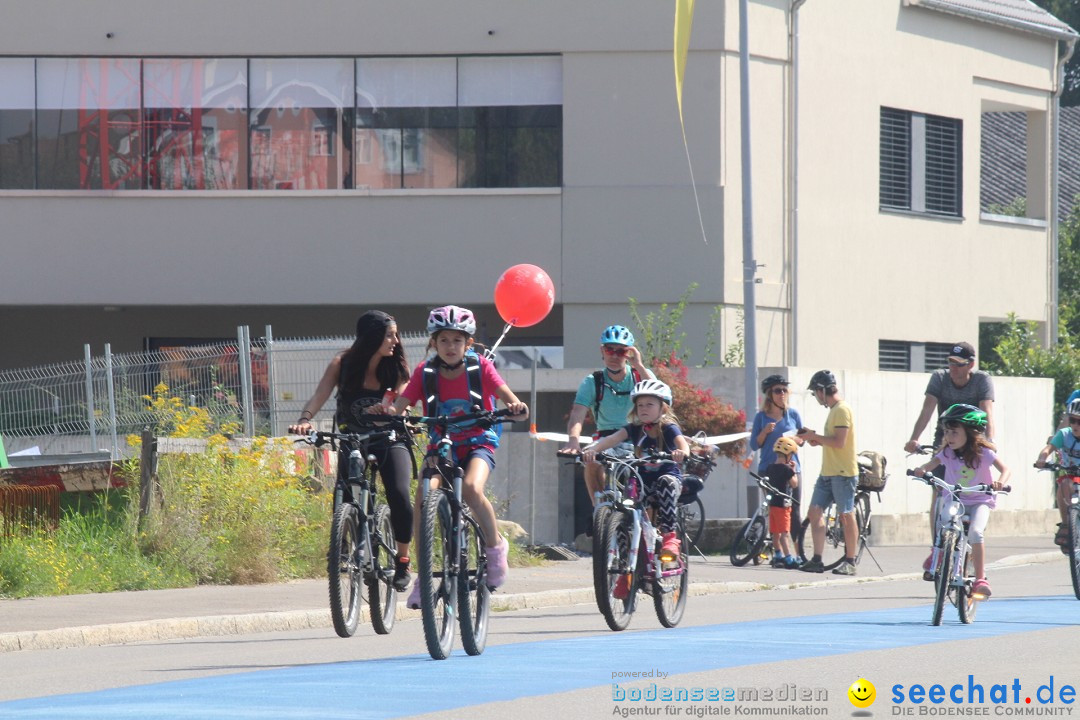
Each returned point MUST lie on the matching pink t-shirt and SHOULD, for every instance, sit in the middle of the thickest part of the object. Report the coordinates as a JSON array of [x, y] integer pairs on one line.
[[453, 397], [957, 472]]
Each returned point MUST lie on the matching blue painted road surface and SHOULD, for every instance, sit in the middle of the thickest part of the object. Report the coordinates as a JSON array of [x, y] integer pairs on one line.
[[414, 684]]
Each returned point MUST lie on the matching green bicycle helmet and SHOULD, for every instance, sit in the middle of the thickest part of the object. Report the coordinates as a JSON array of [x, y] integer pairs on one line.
[[967, 415]]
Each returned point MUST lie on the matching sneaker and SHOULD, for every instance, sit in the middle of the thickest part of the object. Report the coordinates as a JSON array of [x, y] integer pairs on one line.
[[814, 566], [622, 587], [778, 561], [669, 551], [497, 564], [401, 573], [981, 588], [927, 562], [844, 568], [792, 563], [928, 576], [414, 597]]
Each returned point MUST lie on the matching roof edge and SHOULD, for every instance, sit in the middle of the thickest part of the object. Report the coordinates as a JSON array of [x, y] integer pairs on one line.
[[1069, 35]]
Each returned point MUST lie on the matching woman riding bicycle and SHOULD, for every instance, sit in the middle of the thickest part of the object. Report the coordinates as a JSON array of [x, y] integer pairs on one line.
[[653, 428], [370, 372], [457, 380], [968, 456]]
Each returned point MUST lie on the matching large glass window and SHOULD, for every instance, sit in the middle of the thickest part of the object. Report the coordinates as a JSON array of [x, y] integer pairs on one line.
[[195, 123], [300, 129], [511, 122], [16, 123], [406, 122], [89, 126]]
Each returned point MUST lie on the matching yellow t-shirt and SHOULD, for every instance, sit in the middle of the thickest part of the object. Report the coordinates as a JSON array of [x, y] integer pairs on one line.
[[840, 461]]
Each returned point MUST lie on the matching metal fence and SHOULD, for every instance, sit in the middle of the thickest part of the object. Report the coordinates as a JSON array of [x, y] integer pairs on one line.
[[250, 387]]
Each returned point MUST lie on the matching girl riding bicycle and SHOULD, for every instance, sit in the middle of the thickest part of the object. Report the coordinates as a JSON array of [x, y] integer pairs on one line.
[[451, 383], [372, 371], [1066, 443], [653, 428], [968, 456]]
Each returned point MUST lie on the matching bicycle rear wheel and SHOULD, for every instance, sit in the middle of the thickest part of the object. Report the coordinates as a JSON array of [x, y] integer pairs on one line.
[[382, 598], [616, 561], [669, 593], [692, 517], [1074, 548], [748, 541], [966, 605], [832, 550], [343, 570], [474, 595], [944, 575], [438, 588]]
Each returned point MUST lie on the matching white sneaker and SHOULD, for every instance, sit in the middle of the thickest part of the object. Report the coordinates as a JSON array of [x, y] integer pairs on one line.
[[497, 563]]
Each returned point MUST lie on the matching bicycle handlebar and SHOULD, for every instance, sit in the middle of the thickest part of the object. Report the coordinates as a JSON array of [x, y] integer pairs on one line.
[[481, 417], [318, 438], [764, 485], [931, 479]]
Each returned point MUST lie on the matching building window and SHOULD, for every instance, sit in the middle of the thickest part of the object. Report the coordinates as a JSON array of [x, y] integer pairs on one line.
[[920, 163], [1014, 166], [16, 123], [904, 356]]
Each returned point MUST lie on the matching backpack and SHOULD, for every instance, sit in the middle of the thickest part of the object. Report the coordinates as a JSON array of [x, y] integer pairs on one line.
[[431, 384], [872, 475], [598, 381]]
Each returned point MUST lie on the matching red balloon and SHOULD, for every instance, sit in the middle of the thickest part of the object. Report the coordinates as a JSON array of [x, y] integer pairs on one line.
[[524, 295]]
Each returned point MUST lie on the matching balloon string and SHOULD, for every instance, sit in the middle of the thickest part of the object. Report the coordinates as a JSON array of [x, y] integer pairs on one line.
[[490, 352]]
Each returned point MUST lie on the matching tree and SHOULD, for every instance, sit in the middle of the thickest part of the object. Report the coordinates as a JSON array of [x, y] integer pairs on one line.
[[1067, 11]]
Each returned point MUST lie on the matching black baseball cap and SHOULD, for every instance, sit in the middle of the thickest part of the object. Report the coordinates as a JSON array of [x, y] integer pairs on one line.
[[962, 351]]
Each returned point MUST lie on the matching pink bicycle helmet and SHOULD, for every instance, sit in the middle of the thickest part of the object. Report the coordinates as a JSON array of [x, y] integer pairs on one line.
[[451, 317]]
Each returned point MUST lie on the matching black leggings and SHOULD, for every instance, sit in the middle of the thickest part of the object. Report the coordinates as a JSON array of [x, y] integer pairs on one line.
[[395, 466]]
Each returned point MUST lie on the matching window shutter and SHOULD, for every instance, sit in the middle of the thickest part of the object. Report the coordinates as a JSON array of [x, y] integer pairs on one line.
[[895, 149], [942, 165], [894, 355]]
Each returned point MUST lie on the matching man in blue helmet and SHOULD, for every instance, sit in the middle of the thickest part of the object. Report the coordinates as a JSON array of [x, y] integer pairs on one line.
[[606, 394]]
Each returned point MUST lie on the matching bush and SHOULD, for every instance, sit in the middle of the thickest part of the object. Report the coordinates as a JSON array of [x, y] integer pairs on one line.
[[698, 409]]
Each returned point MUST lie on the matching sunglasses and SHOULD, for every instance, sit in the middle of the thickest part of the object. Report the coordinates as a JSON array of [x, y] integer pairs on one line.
[[780, 391], [616, 350], [1074, 421], [957, 363]]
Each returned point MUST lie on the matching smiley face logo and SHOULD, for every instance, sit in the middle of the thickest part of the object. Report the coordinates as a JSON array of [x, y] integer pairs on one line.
[[862, 693]]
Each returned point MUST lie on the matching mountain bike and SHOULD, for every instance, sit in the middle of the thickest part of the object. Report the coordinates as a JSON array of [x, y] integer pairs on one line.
[[629, 559], [1072, 518], [753, 541], [833, 550], [361, 535], [951, 563], [452, 546]]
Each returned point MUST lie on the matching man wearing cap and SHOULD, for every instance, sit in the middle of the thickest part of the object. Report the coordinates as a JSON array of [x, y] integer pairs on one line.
[[959, 383]]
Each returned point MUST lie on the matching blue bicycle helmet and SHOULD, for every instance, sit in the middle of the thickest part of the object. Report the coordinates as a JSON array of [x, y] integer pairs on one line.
[[617, 335]]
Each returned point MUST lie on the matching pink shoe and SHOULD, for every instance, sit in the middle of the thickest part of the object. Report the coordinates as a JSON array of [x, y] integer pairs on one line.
[[981, 589], [497, 564], [669, 550], [926, 563], [622, 587], [414, 597]]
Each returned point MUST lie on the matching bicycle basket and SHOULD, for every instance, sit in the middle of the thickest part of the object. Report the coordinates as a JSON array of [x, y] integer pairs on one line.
[[697, 465], [872, 475]]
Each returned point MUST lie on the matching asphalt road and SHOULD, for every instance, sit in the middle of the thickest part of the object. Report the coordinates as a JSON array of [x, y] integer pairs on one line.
[[767, 649]]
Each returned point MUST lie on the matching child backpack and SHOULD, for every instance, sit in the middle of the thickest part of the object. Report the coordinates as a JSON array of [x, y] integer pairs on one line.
[[598, 381], [872, 475]]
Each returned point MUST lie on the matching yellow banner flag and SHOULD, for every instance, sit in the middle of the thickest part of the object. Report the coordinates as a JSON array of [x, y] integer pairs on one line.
[[684, 19]]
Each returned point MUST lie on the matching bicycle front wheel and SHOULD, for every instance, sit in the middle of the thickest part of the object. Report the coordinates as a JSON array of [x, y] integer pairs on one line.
[[966, 605], [382, 598], [748, 541], [343, 570], [438, 582], [599, 550], [692, 517], [620, 578], [669, 593], [1073, 519], [474, 595], [944, 575]]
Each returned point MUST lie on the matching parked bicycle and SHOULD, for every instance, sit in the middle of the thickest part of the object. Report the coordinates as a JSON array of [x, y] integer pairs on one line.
[[453, 556], [697, 466], [753, 541], [1068, 474], [361, 536], [951, 564], [629, 560], [872, 479]]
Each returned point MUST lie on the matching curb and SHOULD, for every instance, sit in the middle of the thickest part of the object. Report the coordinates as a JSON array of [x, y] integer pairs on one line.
[[219, 625]]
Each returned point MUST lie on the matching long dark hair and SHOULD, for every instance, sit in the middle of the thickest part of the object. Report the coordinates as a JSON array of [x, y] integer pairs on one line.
[[370, 333]]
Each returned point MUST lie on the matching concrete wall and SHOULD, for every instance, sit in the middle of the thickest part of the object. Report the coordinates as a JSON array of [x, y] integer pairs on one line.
[[885, 407]]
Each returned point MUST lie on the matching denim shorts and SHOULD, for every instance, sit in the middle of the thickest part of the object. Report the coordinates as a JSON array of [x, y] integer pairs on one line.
[[835, 488]]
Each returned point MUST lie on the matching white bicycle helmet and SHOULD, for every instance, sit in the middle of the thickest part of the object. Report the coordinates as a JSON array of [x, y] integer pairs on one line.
[[1073, 408], [451, 317], [648, 386]]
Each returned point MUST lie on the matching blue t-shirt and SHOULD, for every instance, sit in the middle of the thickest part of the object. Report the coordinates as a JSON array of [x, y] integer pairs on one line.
[[791, 420], [640, 439], [1068, 447]]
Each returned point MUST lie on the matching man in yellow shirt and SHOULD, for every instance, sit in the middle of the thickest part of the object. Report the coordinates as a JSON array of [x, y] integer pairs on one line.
[[839, 473]]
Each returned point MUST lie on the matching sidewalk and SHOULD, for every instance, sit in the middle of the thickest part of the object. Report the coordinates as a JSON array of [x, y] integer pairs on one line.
[[124, 617]]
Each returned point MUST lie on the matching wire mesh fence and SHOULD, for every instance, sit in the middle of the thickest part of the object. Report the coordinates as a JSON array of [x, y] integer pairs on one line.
[[250, 387]]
